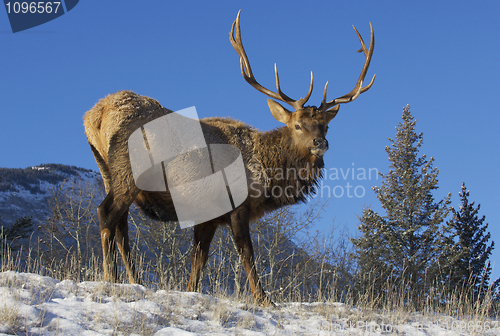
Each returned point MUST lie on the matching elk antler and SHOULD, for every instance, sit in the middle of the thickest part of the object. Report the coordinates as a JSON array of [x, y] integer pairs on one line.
[[358, 89], [246, 71]]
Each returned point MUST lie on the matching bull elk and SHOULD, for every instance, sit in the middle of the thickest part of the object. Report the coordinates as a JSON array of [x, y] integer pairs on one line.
[[298, 146]]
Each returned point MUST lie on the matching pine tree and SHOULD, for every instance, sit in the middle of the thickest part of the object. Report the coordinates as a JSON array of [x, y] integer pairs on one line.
[[468, 252], [401, 248], [20, 229]]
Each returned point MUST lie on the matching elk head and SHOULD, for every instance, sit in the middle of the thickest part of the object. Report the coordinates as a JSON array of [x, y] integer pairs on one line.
[[307, 125]]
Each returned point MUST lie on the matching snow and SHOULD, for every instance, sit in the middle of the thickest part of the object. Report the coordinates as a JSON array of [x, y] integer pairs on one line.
[[40, 168], [34, 304]]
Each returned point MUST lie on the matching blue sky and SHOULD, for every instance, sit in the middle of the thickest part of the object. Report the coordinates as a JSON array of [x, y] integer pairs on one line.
[[441, 58]]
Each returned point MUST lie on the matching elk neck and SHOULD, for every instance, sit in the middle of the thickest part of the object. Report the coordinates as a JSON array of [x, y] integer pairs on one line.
[[286, 166]]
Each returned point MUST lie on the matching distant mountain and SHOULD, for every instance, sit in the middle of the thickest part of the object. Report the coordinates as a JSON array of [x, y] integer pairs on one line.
[[25, 192]]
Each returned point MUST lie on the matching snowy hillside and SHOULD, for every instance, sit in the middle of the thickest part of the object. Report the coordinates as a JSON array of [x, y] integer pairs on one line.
[[25, 192], [66, 245], [33, 304]]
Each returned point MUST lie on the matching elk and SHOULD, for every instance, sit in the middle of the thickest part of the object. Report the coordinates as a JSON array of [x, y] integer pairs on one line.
[[298, 145]]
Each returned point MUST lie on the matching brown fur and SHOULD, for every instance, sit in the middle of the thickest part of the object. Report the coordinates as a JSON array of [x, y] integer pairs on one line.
[[108, 126]]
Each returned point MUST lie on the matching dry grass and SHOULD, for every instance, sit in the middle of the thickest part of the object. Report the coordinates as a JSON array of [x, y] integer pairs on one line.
[[11, 317], [219, 308], [317, 269], [366, 307]]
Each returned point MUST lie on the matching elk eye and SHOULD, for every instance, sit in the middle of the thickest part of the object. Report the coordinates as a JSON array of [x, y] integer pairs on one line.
[[297, 127]]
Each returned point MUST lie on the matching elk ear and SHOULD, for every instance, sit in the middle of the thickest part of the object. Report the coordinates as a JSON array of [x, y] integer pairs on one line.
[[332, 113], [279, 112]]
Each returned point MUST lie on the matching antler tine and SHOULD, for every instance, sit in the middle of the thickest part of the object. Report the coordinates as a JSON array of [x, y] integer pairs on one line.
[[302, 101], [358, 88], [323, 102], [246, 71], [296, 104]]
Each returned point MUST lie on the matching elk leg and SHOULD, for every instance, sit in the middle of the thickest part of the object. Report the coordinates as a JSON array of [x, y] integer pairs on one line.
[[110, 213], [107, 226], [122, 241], [203, 235], [240, 227]]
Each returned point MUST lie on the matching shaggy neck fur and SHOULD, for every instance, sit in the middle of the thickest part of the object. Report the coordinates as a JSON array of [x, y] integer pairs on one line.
[[289, 173]]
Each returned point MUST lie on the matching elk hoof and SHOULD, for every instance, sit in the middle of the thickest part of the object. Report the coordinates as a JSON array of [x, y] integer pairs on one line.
[[266, 301]]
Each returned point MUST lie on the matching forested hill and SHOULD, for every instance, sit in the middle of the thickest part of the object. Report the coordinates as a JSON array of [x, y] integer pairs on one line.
[[25, 192]]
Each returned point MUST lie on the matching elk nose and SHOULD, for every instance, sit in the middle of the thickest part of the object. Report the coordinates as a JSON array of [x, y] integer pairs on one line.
[[321, 143]]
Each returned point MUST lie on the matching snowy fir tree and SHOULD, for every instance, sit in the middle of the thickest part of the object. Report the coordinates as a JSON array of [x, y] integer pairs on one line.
[[400, 249], [467, 251]]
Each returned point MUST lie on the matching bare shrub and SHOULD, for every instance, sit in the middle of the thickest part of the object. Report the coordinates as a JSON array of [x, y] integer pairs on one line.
[[69, 238]]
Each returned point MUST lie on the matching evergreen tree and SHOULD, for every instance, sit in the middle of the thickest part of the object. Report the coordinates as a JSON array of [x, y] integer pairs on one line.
[[400, 249], [20, 229], [467, 254]]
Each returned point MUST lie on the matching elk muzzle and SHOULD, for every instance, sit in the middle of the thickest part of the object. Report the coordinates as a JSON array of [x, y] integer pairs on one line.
[[321, 146]]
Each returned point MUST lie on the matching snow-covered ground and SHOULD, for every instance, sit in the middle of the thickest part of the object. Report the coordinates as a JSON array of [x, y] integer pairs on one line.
[[34, 304]]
